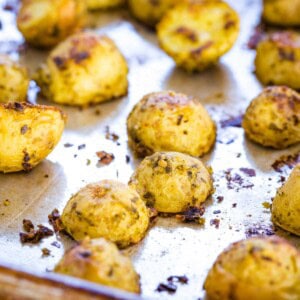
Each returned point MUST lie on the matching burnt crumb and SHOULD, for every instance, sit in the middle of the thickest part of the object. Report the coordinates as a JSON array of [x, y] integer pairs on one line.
[[46, 252], [286, 161], [249, 172], [24, 129], [236, 181], [85, 254], [17, 106], [105, 158], [281, 179], [27, 225], [60, 62], [35, 236], [257, 36], [235, 121], [216, 212], [215, 222], [55, 220], [68, 145], [259, 230], [55, 244], [110, 135], [179, 119], [192, 214], [167, 287], [127, 157], [234, 205], [182, 279], [82, 146], [220, 199]]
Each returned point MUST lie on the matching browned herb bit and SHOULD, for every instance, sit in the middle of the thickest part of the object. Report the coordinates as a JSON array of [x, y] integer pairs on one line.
[[35, 236], [110, 135], [55, 220], [192, 214], [46, 252], [27, 225], [105, 158]]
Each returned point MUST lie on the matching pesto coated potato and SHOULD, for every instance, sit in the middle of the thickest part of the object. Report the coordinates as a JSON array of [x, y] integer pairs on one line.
[[14, 80], [108, 209], [286, 204], [150, 12], [273, 118], [104, 4], [277, 59], [100, 261], [172, 182], [45, 23], [28, 133], [282, 12], [257, 268], [169, 121], [84, 69], [197, 34]]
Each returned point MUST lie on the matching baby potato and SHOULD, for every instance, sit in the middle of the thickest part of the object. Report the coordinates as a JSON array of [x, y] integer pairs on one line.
[[28, 133], [172, 182], [45, 23], [108, 209], [197, 34], [286, 204], [150, 12], [14, 80], [257, 268], [84, 69], [169, 121], [100, 261], [104, 4], [277, 59], [282, 12], [273, 118]]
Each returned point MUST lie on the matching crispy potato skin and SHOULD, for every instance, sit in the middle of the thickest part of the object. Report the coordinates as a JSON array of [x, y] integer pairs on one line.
[[100, 261], [28, 133], [45, 23], [150, 12], [104, 4], [282, 12], [277, 59], [172, 182], [85, 69], [14, 80], [286, 204], [169, 121], [257, 268], [107, 209], [196, 35], [273, 118]]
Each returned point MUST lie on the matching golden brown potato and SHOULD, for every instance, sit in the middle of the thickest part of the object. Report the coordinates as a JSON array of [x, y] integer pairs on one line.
[[172, 182], [278, 58], [273, 118], [282, 12], [150, 12], [28, 133], [84, 69], [196, 35], [45, 23], [100, 261], [108, 209], [104, 4], [257, 268], [14, 80], [286, 204], [169, 121]]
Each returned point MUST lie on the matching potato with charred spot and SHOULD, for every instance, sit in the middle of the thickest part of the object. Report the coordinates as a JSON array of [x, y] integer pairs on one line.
[[150, 12], [273, 118], [45, 23], [257, 268], [85, 69], [282, 12], [277, 60], [100, 261], [286, 204], [104, 4], [108, 209], [172, 182], [169, 121], [28, 133], [197, 34], [14, 80]]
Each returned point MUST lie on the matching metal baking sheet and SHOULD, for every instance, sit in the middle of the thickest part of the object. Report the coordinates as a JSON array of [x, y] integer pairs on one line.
[[170, 247]]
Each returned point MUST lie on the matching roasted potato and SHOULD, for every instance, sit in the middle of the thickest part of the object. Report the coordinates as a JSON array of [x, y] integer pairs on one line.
[[150, 12], [286, 204], [104, 4], [45, 23], [257, 268], [278, 58], [197, 34], [28, 133], [282, 12], [84, 69], [100, 261], [108, 209], [14, 80], [169, 121], [172, 182], [273, 118]]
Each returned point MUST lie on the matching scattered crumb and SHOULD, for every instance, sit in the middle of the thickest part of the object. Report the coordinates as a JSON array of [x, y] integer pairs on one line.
[[266, 205], [215, 222], [193, 214], [82, 146], [55, 220], [46, 252], [104, 157], [68, 145], [232, 122], [88, 162]]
